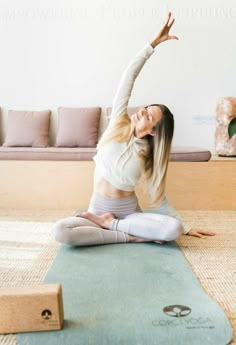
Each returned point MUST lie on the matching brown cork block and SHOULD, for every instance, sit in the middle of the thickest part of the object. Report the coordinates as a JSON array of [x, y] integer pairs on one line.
[[31, 308]]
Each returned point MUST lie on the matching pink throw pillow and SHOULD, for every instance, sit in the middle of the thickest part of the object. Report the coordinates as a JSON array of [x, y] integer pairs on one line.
[[28, 128], [78, 127]]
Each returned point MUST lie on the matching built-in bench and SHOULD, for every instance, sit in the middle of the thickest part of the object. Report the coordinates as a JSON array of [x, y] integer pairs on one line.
[[60, 177], [28, 136], [55, 185]]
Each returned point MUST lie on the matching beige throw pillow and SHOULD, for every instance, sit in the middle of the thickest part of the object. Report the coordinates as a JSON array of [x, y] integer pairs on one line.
[[78, 127], [28, 128]]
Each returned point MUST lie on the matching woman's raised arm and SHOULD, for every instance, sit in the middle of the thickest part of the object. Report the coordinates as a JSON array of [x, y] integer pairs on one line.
[[130, 74], [125, 86]]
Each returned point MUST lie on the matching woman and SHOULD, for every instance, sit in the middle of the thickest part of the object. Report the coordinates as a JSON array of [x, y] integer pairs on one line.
[[130, 148]]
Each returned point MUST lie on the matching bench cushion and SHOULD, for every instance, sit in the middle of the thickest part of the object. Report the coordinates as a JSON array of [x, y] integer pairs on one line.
[[182, 154], [190, 154]]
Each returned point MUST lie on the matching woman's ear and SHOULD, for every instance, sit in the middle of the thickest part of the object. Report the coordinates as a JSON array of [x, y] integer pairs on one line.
[[152, 132]]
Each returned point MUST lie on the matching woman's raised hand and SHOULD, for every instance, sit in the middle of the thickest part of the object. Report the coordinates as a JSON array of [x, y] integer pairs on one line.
[[163, 35]]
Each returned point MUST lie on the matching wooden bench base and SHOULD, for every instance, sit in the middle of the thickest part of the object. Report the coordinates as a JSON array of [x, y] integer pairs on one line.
[[59, 185]]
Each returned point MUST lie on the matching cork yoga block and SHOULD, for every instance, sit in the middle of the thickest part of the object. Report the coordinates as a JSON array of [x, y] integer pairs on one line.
[[31, 308], [225, 133]]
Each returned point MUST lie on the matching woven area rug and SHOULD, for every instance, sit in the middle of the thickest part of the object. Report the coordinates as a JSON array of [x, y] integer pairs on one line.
[[27, 251]]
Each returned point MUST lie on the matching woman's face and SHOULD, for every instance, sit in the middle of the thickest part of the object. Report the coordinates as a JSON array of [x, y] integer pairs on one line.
[[145, 120]]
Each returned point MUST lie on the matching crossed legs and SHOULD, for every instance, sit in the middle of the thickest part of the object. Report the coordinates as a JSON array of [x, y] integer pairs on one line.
[[90, 229], [150, 226]]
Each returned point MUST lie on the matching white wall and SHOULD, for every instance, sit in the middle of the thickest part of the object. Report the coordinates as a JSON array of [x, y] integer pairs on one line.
[[72, 53]]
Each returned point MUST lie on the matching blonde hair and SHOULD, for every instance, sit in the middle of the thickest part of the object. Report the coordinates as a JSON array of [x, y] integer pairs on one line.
[[156, 158], [121, 131]]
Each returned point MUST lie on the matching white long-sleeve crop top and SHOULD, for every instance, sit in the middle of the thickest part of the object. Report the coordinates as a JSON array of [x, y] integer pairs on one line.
[[120, 163]]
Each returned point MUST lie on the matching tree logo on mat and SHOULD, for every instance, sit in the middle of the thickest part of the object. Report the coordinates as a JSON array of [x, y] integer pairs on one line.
[[177, 310], [178, 313], [46, 314]]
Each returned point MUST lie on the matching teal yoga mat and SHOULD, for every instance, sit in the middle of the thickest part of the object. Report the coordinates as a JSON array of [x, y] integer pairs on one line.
[[131, 294]]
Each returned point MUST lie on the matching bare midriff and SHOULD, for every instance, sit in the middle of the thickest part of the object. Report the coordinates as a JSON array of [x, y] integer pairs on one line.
[[105, 188]]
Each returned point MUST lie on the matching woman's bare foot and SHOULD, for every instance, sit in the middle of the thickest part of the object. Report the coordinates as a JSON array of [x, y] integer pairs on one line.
[[104, 220]]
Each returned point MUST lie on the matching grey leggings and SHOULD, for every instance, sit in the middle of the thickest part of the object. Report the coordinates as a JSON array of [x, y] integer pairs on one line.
[[130, 220]]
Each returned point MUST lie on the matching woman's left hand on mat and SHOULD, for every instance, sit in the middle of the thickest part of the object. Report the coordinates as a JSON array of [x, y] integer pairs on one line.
[[200, 233]]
